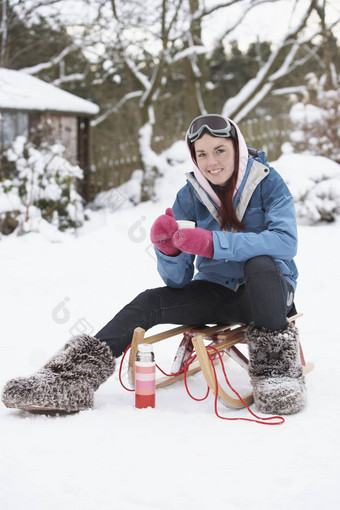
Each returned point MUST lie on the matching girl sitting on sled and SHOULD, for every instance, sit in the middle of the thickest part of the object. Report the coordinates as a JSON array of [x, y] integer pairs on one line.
[[243, 245]]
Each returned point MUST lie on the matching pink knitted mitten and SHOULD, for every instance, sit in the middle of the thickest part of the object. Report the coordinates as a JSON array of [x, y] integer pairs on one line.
[[195, 240], [162, 231]]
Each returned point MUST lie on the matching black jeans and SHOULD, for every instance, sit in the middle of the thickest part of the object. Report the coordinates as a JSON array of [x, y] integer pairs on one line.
[[262, 299]]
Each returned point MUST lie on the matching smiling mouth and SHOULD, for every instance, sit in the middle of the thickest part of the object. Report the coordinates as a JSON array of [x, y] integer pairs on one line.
[[215, 172]]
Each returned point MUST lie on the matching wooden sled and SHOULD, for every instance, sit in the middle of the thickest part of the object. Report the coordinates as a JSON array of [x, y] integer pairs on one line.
[[223, 338]]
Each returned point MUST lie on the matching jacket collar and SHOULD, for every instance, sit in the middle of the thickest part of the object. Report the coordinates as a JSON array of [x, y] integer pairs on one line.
[[204, 197], [250, 182]]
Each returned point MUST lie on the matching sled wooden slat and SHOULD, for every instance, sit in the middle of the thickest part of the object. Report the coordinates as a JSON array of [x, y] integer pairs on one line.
[[308, 367], [138, 338], [166, 334], [225, 338]]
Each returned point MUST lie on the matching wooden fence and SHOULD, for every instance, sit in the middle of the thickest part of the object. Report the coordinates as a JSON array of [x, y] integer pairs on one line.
[[267, 133], [115, 168]]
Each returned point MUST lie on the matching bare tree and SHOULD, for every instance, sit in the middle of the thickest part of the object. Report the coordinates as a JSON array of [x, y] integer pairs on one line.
[[29, 13], [155, 25], [147, 39], [175, 30], [330, 82], [282, 61]]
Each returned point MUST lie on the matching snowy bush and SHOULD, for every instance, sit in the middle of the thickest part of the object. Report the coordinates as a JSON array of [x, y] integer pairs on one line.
[[314, 182], [317, 126], [38, 184]]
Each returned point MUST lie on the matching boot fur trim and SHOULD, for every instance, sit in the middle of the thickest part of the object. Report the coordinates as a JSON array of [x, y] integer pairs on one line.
[[84, 356], [67, 382], [276, 371], [274, 353]]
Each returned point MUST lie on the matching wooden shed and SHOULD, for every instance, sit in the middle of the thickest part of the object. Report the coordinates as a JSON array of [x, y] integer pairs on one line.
[[40, 111]]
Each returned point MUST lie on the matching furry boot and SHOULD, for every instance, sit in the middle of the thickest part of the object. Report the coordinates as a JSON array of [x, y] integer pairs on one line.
[[67, 382], [276, 371]]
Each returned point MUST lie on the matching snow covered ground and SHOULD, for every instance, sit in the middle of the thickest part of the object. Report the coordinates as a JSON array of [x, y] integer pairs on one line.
[[178, 454]]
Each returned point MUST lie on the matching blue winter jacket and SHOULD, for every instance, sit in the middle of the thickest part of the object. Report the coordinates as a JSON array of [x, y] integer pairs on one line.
[[263, 203]]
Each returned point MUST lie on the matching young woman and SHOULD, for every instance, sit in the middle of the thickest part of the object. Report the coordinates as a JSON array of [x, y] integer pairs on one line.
[[244, 242]]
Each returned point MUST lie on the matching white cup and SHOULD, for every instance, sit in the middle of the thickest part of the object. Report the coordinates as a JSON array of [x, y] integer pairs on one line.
[[185, 224]]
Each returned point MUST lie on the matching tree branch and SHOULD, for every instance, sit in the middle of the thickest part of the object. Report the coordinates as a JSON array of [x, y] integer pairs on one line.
[[200, 13], [117, 106], [172, 22], [35, 5], [3, 32], [143, 80], [54, 61], [250, 5], [71, 77], [257, 88]]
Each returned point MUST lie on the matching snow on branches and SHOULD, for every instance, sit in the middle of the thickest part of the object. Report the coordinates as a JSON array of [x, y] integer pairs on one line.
[[317, 126], [38, 184]]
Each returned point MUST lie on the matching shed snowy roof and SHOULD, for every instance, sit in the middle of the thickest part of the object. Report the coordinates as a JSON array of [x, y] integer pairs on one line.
[[20, 91]]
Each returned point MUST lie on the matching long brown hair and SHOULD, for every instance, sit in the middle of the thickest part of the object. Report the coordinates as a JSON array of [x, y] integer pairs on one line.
[[228, 214]]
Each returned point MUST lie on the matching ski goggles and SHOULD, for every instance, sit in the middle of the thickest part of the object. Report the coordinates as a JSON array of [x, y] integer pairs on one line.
[[216, 125]]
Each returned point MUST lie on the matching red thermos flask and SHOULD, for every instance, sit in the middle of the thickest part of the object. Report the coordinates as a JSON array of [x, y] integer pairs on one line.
[[145, 377]]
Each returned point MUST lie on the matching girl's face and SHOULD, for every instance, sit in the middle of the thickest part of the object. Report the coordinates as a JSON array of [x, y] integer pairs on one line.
[[215, 158]]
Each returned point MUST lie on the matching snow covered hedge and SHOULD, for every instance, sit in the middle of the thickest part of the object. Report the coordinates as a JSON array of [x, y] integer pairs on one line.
[[38, 184], [317, 126], [313, 174], [314, 182]]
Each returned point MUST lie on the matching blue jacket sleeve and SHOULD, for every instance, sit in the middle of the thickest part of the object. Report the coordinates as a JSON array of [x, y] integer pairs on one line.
[[177, 271], [279, 237]]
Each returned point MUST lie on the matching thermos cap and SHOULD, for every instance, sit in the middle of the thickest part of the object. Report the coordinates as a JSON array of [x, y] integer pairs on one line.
[[145, 348]]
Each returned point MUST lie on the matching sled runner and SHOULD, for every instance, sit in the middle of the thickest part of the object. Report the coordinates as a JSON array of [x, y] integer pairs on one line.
[[222, 338]]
